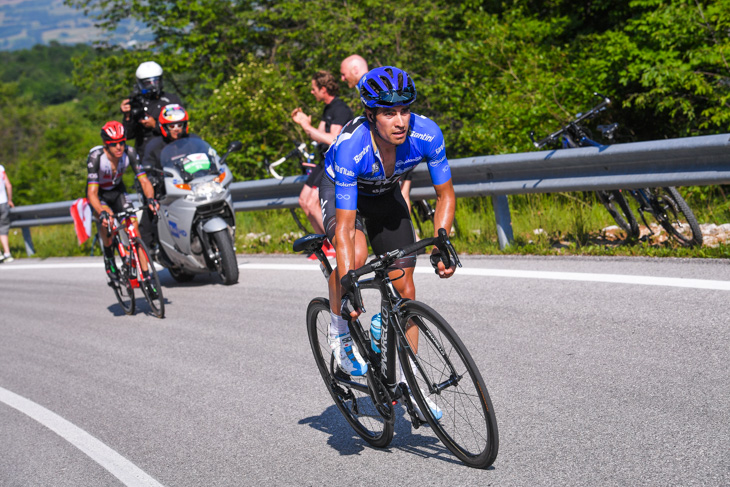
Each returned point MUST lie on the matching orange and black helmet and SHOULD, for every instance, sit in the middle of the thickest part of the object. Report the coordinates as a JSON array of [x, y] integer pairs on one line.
[[172, 115]]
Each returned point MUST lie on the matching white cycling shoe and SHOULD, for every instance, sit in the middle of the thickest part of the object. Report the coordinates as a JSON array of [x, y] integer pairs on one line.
[[347, 356], [435, 410]]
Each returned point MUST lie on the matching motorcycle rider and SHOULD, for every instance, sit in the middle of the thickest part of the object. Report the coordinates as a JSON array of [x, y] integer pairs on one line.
[[173, 125], [106, 191], [149, 98]]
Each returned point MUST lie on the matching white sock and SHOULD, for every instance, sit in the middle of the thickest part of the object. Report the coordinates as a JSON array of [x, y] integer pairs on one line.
[[402, 375], [338, 325]]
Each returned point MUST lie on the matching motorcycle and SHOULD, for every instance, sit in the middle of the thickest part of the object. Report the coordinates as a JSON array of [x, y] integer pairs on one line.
[[196, 221]]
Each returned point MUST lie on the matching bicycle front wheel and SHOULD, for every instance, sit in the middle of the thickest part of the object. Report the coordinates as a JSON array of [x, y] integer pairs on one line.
[[450, 381], [619, 209], [151, 286], [123, 289], [349, 393], [674, 214]]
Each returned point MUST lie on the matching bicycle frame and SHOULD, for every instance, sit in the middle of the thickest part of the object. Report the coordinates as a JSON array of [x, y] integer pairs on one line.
[[382, 365], [128, 251]]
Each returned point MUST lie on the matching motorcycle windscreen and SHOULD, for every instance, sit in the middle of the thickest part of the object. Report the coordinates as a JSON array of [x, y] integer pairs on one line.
[[191, 155]]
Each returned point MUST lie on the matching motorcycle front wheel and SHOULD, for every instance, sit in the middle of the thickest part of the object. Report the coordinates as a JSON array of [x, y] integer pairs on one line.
[[227, 265]]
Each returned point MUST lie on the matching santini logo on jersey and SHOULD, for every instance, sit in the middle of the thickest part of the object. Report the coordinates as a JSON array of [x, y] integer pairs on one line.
[[424, 137], [362, 154]]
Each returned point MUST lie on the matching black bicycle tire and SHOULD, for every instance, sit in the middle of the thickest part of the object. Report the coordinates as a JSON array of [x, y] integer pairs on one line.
[[157, 309], [122, 284], [317, 330], [624, 218], [471, 407], [228, 264], [678, 205]]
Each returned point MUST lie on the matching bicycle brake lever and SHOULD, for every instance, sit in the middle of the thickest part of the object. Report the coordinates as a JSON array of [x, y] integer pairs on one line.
[[352, 295]]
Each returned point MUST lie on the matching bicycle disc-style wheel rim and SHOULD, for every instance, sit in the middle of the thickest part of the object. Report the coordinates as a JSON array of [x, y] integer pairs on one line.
[[468, 425], [356, 405], [122, 287], [157, 305], [619, 209], [677, 218]]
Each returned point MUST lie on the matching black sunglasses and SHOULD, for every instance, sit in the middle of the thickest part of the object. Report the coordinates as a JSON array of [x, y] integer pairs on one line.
[[114, 144]]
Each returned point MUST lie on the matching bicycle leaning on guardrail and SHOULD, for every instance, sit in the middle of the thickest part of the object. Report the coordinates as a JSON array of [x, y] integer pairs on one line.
[[665, 204], [129, 250], [306, 163], [441, 375]]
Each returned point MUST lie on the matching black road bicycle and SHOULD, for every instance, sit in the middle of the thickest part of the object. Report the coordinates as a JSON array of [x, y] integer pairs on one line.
[[436, 366], [665, 204]]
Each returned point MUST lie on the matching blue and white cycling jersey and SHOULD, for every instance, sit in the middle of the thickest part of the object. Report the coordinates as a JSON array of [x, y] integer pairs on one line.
[[353, 161]]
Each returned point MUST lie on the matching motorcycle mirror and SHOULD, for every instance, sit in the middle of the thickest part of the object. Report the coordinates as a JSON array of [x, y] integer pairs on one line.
[[234, 146]]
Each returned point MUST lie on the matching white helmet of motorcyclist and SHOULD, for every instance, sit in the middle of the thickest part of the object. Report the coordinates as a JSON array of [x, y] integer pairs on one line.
[[149, 79]]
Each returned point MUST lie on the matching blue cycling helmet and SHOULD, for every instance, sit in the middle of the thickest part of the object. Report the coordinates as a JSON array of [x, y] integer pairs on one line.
[[386, 87]]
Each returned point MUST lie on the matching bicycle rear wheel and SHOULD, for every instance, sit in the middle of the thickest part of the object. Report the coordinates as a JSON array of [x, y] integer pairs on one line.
[[674, 214], [450, 379], [154, 295], [620, 211], [123, 289], [349, 393]]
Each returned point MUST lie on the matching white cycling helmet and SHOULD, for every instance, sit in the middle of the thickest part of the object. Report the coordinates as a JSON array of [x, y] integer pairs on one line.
[[149, 78]]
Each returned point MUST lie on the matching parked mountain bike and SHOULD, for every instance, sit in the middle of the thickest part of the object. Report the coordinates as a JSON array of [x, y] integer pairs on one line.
[[129, 251], [665, 204], [306, 160], [437, 368]]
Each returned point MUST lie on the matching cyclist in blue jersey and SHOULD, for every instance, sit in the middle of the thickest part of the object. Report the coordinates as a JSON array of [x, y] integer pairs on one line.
[[361, 190]]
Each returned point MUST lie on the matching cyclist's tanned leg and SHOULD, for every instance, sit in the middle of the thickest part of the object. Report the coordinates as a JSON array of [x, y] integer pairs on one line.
[[361, 255], [309, 202]]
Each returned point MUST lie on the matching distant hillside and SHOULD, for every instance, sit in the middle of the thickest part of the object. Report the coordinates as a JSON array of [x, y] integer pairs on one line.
[[26, 23], [31, 69]]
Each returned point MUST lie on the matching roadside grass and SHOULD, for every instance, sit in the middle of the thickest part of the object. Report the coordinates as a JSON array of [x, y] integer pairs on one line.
[[543, 224]]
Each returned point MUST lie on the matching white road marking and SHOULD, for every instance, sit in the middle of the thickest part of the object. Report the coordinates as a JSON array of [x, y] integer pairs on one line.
[[128, 473], [559, 276], [506, 273]]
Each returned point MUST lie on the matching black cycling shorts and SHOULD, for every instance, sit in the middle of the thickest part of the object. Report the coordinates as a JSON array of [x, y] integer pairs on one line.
[[315, 177], [115, 199], [385, 217]]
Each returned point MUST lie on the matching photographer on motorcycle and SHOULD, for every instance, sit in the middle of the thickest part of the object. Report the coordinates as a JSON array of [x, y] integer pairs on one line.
[[143, 106], [173, 125]]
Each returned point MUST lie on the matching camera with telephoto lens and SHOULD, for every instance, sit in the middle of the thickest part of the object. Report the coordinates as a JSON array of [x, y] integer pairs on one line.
[[137, 105]]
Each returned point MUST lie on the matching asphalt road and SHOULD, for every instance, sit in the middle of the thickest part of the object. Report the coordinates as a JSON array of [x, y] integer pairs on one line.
[[593, 382]]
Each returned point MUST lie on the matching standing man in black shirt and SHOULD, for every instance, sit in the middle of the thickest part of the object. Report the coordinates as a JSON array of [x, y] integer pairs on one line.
[[335, 115], [142, 109]]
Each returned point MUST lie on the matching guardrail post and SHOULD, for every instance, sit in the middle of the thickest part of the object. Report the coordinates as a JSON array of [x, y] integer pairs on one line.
[[28, 241], [504, 221]]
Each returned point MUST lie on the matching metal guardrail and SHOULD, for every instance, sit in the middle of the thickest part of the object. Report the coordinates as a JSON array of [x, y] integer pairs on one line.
[[687, 161]]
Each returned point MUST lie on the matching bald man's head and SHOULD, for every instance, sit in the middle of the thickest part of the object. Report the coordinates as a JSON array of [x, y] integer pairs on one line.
[[352, 69]]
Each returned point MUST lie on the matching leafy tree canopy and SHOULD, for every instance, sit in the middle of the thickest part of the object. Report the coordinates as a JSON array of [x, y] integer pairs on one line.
[[487, 71]]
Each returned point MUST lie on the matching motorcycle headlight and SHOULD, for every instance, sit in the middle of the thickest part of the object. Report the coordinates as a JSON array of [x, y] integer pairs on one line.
[[205, 191]]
